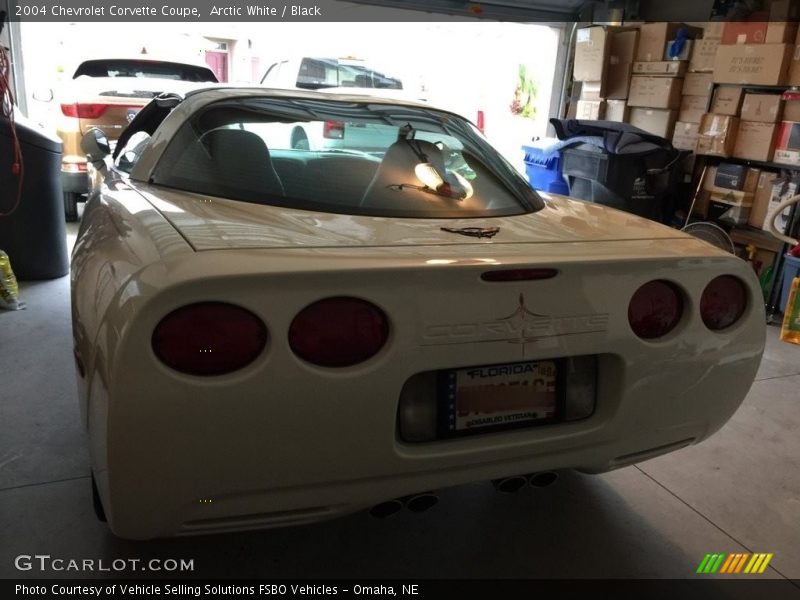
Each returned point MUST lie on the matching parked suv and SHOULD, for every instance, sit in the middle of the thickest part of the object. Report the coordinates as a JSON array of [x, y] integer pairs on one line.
[[107, 93]]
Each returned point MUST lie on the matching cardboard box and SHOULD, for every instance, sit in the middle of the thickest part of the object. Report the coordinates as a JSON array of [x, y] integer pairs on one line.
[[617, 110], [793, 77], [761, 199], [620, 59], [733, 176], [791, 106], [727, 100], [656, 121], [591, 110], [755, 141], [654, 37], [717, 135], [755, 64], [762, 108], [787, 147], [664, 68], [698, 84], [685, 136], [713, 30], [745, 32], [684, 54], [590, 90], [591, 49], [732, 197], [655, 92], [729, 206], [703, 55], [709, 178], [781, 32], [733, 214], [692, 109]]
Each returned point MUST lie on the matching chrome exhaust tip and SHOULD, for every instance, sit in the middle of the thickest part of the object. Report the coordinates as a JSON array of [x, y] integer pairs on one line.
[[509, 485], [386, 509], [422, 502], [542, 479]]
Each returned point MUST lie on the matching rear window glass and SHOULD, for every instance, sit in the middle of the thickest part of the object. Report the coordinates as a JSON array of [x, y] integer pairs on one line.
[[144, 68], [318, 73], [343, 157]]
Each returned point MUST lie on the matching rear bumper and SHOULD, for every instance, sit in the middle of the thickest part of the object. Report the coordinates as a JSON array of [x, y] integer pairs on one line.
[[308, 504], [282, 452]]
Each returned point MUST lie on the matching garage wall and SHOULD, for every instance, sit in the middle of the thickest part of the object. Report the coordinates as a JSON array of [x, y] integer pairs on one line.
[[9, 39]]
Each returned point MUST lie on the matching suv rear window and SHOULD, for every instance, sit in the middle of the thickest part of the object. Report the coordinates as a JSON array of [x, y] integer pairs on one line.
[[362, 158], [145, 68], [318, 73]]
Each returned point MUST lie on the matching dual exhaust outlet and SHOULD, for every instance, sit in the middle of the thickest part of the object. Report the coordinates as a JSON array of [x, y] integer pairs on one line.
[[509, 485], [418, 503]]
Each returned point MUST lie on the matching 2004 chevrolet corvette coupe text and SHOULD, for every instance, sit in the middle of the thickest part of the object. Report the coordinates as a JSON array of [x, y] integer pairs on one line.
[[267, 335]]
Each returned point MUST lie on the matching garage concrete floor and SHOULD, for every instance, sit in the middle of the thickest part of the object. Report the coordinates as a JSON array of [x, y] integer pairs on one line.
[[737, 492]]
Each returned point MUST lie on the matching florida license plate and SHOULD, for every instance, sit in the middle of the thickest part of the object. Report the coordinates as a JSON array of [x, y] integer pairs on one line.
[[507, 395]]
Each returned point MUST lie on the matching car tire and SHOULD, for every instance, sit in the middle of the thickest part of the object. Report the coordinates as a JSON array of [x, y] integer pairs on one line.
[[300, 140], [99, 511], [71, 206]]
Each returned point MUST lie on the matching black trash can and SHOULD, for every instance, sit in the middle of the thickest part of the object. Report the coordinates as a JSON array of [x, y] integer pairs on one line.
[[34, 236], [644, 184]]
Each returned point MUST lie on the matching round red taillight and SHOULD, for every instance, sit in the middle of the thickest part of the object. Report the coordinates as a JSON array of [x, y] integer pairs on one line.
[[655, 309], [723, 302], [338, 332], [209, 338]]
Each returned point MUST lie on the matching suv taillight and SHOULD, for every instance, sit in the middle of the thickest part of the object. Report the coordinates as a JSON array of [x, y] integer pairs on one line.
[[209, 338], [333, 130], [338, 332], [83, 110], [723, 302], [655, 309]]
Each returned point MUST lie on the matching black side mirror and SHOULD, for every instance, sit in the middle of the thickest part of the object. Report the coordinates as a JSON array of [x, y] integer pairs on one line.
[[94, 144]]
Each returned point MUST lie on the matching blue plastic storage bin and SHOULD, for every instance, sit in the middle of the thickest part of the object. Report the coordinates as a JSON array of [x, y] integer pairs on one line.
[[791, 269], [544, 170]]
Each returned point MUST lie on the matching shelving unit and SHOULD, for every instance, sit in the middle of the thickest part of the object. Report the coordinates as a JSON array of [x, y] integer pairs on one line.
[[772, 301]]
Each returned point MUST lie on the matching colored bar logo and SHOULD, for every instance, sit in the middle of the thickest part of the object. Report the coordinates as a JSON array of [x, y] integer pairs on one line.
[[734, 564]]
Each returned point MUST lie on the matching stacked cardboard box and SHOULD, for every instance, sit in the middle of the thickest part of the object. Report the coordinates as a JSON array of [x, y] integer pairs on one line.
[[696, 92], [732, 193], [758, 126], [758, 51], [658, 77], [603, 61]]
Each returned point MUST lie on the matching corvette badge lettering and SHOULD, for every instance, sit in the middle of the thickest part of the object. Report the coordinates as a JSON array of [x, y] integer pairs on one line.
[[520, 327]]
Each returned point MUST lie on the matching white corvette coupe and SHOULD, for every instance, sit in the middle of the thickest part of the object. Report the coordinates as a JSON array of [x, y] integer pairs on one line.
[[268, 336]]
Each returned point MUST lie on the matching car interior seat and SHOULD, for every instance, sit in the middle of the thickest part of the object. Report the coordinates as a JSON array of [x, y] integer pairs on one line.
[[241, 163], [397, 169]]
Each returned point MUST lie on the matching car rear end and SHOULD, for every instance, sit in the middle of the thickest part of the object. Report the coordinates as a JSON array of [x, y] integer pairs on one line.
[[348, 383], [106, 94], [109, 111], [372, 331]]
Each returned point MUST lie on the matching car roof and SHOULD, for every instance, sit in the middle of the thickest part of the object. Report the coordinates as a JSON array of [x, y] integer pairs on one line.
[[255, 91]]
